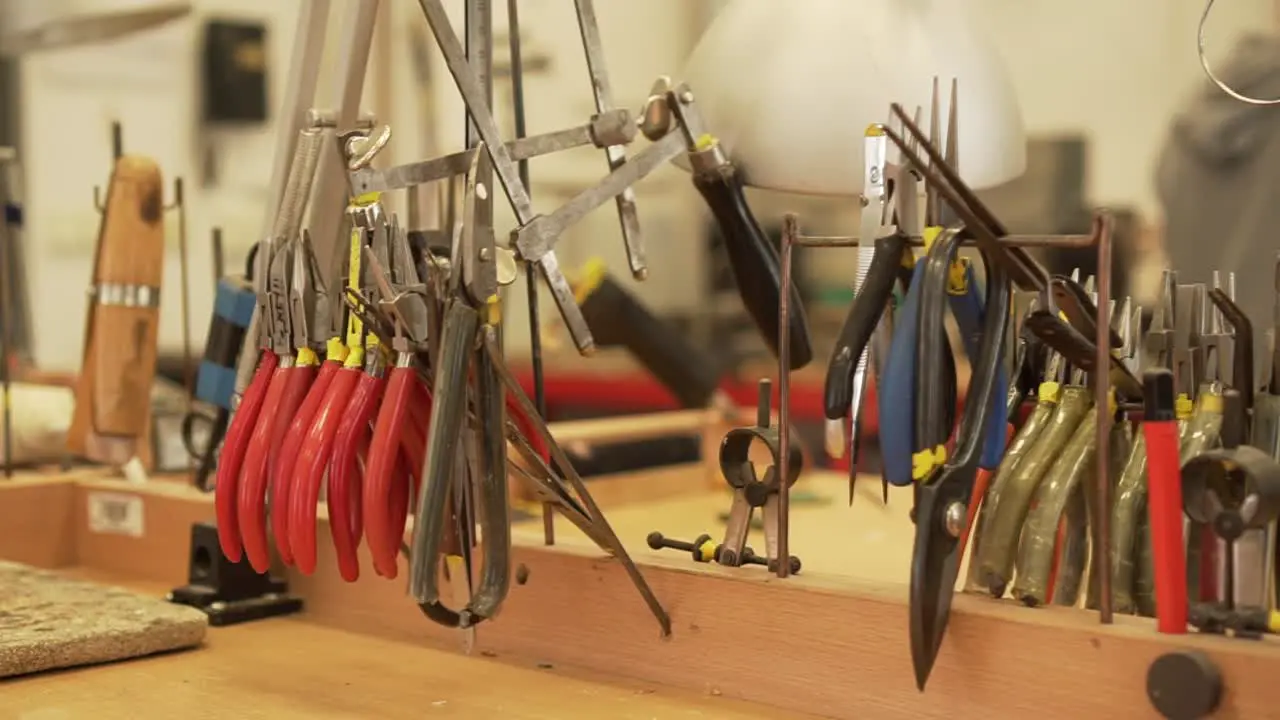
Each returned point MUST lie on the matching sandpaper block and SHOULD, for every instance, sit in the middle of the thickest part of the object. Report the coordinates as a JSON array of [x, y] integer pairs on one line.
[[48, 621]]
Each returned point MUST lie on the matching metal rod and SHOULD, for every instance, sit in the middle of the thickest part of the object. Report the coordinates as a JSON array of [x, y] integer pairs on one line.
[[6, 342], [1101, 396], [184, 282], [1027, 241], [530, 270], [219, 258], [790, 231], [117, 140]]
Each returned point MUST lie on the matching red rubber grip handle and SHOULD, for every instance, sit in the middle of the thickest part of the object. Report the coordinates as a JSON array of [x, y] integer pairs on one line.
[[252, 503], [231, 457], [313, 460], [380, 473], [290, 446], [344, 498], [1164, 504]]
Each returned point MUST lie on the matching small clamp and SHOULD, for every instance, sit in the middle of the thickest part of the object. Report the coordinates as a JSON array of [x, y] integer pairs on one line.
[[749, 492]]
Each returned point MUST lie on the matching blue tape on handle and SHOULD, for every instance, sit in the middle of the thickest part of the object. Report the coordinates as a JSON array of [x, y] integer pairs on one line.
[[969, 310], [235, 302], [13, 215], [896, 406], [215, 384]]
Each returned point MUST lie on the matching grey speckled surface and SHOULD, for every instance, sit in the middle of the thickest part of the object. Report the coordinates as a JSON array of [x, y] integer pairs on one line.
[[48, 621]]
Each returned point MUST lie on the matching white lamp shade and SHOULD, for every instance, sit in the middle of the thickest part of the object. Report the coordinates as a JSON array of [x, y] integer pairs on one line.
[[789, 88]]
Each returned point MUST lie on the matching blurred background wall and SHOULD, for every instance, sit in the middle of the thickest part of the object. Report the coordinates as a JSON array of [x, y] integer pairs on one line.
[[1108, 74]]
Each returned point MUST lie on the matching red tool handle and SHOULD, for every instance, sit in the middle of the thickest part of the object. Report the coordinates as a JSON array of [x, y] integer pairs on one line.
[[296, 390], [344, 498], [251, 503], [287, 458], [313, 460], [231, 458], [1164, 503], [384, 528]]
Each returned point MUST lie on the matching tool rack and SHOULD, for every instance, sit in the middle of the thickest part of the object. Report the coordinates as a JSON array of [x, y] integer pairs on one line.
[[835, 650]]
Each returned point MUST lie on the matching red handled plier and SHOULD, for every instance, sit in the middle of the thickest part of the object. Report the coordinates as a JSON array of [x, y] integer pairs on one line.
[[336, 420], [256, 431]]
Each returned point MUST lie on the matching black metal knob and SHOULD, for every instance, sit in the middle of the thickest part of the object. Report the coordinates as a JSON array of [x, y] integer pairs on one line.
[[1184, 685]]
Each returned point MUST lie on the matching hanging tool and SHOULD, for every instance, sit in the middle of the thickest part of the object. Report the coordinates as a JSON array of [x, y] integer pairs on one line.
[[1164, 488], [367, 218], [112, 419], [750, 491], [1003, 491], [475, 281], [244, 463], [946, 482], [472, 312], [897, 381], [1039, 548], [979, 222], [258, 362], [400, 425], [879, 266], [1129, 529], [294, 373], [602, 91], [753, 258], [1046, 570]]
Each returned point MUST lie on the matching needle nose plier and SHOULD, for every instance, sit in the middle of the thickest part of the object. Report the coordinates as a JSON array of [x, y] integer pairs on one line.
[[252, 438], [909, 442], [366, 216], [889, 263]]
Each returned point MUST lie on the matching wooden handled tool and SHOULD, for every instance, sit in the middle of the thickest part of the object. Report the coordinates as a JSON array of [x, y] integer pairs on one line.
[[112, 418]]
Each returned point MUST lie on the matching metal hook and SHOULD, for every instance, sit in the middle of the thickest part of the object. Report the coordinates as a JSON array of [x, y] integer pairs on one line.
[[178, 197], [1208, 71]]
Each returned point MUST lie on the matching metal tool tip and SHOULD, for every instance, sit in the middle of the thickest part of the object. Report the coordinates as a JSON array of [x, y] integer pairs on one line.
[[640, 274]]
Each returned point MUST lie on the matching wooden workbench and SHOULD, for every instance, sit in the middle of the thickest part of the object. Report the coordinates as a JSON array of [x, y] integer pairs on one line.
[[289, 668], [831, 642]]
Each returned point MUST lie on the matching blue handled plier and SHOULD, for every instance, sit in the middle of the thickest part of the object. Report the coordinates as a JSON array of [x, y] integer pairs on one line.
[[904, 457]]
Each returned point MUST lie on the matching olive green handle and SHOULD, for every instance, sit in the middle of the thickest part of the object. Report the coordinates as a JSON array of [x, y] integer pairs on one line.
[[1131, 502], [1039, 543], [1022, 442], [1009, 509]]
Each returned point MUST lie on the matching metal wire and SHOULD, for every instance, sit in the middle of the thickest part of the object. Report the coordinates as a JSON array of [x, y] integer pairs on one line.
[[1204, 63]]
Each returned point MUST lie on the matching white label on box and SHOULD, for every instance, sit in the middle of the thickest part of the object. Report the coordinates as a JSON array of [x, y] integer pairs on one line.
[[115, 514]]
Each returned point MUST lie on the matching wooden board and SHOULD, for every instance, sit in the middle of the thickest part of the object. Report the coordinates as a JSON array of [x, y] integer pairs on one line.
[[50, 621], [817, 643], [291, 669]]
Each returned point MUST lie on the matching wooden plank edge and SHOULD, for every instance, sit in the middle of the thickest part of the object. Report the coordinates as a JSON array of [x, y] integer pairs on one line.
[[811, 643]]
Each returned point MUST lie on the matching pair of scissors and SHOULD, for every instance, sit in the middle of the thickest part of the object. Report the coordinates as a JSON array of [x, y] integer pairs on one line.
[[946, 480]]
